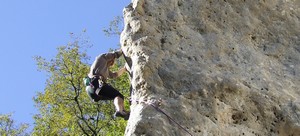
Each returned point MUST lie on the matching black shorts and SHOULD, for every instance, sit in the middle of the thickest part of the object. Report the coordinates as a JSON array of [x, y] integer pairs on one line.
[[109, 92]]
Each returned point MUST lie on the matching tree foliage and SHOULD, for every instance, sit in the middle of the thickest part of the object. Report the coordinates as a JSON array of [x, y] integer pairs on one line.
[[115, 27], [64, 107], [9, 128]]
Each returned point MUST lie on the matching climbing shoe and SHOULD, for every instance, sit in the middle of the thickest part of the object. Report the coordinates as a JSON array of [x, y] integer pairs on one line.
[[123, 114]]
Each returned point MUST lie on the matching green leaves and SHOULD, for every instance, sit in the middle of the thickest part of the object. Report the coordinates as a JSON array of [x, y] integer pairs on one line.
[[114, 27], [64, 107], [9, 128]]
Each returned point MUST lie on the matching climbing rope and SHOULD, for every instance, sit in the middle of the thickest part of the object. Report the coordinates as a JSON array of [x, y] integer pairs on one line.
[[156, 107], [153, 104]]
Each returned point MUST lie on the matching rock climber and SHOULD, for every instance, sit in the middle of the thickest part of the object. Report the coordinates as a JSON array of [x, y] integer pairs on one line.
[[97, 87]]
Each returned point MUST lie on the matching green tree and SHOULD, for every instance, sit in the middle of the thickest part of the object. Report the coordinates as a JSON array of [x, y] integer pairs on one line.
[[115, 27], [9, 128], [65, 108]]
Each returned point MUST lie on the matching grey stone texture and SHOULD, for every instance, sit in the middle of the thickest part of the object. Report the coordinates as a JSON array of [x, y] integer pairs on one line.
[[220, 67]]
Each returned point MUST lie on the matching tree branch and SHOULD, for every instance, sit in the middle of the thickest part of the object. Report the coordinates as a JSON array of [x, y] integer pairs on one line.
[[83, 130]]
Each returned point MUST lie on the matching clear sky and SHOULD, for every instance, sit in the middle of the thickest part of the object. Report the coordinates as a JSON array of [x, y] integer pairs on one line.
[[31, 28]]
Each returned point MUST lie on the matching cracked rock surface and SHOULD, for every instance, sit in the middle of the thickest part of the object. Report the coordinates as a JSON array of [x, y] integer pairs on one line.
[[220, 67]]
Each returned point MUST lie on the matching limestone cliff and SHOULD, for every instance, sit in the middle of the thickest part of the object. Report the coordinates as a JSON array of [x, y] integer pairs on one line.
[[221, 67]]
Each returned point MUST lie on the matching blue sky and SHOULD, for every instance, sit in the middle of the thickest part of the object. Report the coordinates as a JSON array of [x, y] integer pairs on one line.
[[37, 27]]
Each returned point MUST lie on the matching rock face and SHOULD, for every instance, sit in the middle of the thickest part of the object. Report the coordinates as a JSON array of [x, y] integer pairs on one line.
[[221, 67]]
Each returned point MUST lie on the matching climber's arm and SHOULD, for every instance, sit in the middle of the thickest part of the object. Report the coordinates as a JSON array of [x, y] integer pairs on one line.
[[113, 55], [118, 73]]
